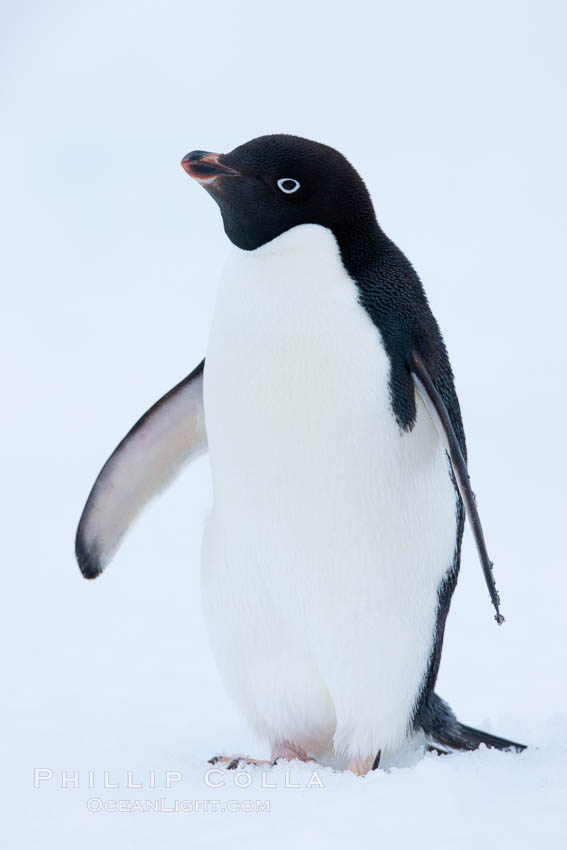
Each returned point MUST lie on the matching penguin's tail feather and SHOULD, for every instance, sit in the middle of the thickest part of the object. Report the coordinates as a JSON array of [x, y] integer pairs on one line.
[[442, 727], [463, 737]]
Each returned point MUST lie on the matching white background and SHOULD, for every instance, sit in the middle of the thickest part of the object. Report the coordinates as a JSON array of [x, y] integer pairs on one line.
[[454, 114]]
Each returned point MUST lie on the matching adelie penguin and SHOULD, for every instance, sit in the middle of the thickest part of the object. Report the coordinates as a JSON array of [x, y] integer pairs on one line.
[[328, 407]]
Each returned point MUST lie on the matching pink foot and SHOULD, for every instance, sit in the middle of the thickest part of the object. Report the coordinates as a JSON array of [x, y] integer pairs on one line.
[[282, 750], [362, 766], [289, 751]]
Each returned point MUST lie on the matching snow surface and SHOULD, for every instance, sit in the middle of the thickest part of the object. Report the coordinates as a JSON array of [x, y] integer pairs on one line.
[[454, 116]]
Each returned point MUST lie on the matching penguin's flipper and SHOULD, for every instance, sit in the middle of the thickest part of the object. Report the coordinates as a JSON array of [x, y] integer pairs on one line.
[[168, 435], [438, 411]]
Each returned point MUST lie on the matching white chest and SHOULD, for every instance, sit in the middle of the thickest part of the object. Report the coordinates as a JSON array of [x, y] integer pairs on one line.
[[297, 387], [329, 522], [296, 376]]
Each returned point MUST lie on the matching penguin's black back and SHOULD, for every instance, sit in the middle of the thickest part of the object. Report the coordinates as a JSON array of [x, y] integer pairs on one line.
[[392, 294]]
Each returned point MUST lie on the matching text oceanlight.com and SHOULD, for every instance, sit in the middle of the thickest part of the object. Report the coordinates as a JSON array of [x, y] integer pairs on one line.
[[96, 804]]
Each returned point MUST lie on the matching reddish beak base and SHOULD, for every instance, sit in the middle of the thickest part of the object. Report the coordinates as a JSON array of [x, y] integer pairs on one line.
[[205, 167]]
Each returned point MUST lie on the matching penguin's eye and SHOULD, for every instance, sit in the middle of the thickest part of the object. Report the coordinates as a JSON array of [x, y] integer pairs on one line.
[[288, 185]]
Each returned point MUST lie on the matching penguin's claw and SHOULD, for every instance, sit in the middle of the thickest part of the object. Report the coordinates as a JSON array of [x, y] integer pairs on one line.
[[284, 751], [438, 750], [232, 762]]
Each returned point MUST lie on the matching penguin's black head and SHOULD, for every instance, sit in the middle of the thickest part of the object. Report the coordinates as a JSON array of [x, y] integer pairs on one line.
[[274, 183]]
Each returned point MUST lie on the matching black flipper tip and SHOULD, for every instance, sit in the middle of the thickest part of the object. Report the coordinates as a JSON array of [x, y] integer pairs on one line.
[[89, 563]]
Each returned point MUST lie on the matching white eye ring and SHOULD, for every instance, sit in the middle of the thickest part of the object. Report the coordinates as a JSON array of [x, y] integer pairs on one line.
[[294, 188]]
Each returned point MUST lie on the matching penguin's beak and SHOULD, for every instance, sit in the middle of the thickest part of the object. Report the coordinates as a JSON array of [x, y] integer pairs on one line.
[[205, 167]]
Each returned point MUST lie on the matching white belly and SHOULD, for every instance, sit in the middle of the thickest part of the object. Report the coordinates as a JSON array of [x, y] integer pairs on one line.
[[331, 529]]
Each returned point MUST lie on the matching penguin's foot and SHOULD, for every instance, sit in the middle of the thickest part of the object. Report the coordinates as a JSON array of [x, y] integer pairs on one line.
[[232, 762], [438, 750], [362, 766], [288, 751], [283, 750]]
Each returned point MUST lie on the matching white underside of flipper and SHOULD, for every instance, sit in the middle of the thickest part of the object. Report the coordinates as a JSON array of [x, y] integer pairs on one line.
[[169, 435], [331, 529]]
